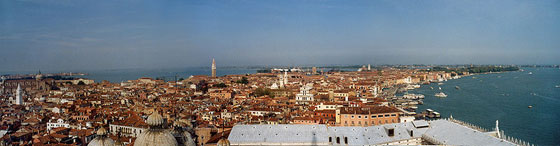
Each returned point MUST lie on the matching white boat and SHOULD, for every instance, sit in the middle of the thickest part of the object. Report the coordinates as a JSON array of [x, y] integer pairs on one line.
[[440, 83], [441, 94], [530, 73], [557, 86], [439, 88], [413, 96], [412, 87]]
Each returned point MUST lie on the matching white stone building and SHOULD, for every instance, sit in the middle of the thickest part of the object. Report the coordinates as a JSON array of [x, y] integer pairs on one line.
[[304, 96], [59, 123]]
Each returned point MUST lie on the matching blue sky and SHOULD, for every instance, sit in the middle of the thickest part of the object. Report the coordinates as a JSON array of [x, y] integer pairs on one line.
[[77, 34]]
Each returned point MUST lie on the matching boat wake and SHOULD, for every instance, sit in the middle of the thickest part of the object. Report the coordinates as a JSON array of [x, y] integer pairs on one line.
[[546, 97]]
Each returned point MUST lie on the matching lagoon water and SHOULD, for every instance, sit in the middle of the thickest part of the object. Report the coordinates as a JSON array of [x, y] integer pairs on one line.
[[168, 74], [483, 99], [119, 75]]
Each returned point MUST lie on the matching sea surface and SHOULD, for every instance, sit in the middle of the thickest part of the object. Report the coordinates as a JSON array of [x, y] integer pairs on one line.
[[483, 99]]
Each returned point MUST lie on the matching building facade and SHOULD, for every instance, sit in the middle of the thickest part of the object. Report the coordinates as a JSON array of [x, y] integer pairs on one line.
[[368, 116], [59, 123], [304, 96]]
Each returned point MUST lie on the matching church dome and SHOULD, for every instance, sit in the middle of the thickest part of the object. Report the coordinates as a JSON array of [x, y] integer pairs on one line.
[[119, 143], [102, 139], [101, 131], [155, 119], [183, 137], [155, 135], [178, 124], [223, 142]]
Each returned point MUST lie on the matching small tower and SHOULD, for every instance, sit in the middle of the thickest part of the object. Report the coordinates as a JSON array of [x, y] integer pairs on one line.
[[213, 68], [19, 99], [314, 70], [281, 81], [3, 79], [498, 130], [285, 78], [39, 76]]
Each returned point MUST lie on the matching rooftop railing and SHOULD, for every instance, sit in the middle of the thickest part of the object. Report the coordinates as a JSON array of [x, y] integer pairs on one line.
[[500, 134]]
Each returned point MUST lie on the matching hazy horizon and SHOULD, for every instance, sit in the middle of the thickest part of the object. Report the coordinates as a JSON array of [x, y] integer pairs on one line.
[[308, 66], [94, 35]]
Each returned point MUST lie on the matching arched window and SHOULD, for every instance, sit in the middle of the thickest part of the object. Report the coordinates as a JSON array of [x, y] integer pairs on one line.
[[338, 140]]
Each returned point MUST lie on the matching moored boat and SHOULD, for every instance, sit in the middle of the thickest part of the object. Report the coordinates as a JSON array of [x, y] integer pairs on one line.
[[413, 96], [441, 94]]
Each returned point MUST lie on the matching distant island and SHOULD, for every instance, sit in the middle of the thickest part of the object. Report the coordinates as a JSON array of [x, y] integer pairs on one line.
[[475, 69]]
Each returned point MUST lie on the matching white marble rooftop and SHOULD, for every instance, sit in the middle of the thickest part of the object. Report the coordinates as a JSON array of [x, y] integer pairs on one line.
[[442, 131]]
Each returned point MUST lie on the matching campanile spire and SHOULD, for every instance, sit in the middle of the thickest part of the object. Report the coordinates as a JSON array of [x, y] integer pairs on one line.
[[213, 68]]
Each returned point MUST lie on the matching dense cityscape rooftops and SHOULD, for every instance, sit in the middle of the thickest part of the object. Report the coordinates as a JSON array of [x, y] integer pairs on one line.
[[205, 108]]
